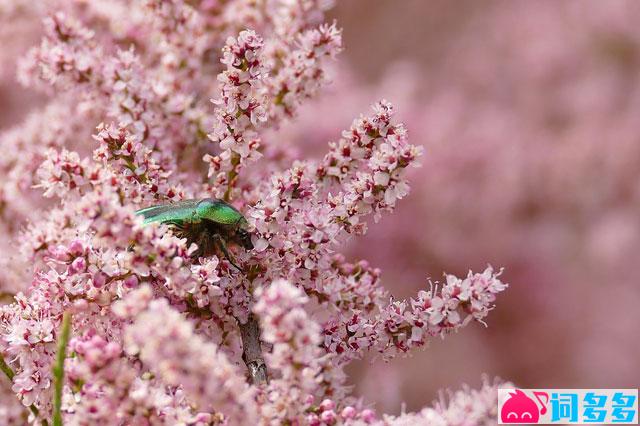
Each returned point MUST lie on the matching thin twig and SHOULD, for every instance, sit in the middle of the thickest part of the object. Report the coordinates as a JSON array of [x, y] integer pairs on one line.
[[252, 351], [58, 368], [4, 367]]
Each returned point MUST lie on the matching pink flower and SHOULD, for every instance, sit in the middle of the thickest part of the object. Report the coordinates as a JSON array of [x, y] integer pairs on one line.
[[167, 344], [241, 108]]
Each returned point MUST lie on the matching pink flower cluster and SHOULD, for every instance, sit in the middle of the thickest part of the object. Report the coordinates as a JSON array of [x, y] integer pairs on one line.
[[156, 334], [402, 325], [296, 353], [516, 176], [241, 109], [463, 407], [164, 341]]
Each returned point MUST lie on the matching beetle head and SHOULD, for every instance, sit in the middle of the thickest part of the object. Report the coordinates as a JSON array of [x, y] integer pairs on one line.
[[243, 237]]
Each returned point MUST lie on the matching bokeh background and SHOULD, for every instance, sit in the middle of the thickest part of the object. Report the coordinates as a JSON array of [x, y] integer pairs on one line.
[[529, 113]]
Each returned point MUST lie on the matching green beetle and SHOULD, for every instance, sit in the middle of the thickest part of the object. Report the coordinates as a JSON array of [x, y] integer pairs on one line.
[[209, 222]]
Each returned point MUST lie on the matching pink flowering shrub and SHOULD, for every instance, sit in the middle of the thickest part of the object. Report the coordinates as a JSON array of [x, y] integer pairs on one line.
[[527, 111], [158, 337]]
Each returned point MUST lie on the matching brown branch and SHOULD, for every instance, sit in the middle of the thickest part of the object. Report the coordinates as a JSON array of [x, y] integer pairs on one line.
[[252, 351]]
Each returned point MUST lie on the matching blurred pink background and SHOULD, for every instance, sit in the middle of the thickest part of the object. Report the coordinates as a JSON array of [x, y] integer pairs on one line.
[[529, 116]]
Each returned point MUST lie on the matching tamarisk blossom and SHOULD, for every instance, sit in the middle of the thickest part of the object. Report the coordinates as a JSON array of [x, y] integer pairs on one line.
[[399, 326], [183, 36], [113, 82], [67, 55], [297, 359], [111, 388], [301, 73], [462, 407], [296, 352], [474, 192], [61, 172], [240, 110], [25, 147], [162, 339], [157, 336], [248, 99]]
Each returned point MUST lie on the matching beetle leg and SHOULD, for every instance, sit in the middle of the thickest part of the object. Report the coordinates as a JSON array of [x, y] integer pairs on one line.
[[223, 246]]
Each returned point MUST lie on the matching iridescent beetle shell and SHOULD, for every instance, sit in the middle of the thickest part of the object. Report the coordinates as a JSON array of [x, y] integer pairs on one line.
[[208, 222]]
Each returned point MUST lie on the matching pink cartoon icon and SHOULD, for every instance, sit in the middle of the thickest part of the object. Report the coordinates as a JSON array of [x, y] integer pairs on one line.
[[519, 408]]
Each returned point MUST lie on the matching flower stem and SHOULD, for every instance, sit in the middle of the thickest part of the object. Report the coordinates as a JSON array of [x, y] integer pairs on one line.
[[58, 368], [4, 367]]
